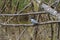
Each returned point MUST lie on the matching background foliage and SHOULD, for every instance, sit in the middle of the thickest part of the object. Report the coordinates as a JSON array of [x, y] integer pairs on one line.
[[12, 32]]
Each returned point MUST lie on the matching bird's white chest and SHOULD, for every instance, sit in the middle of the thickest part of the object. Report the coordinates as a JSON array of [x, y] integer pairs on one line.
[[33, 21]]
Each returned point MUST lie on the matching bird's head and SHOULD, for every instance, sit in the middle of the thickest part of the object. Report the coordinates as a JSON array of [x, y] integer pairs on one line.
[[32, 17]]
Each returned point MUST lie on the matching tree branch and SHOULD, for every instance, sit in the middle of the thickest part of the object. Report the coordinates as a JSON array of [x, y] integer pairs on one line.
[[31, 13], [41, 23]]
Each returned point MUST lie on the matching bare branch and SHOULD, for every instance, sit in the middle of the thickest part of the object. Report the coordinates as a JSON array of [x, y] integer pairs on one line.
[[17, 5], [52, 32], [55, 3], [31, 13], [3, 4], [48, 22], [24, 8], [22, 33]]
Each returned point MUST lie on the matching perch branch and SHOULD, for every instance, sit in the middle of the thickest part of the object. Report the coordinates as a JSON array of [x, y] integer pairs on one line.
[[41, 23]]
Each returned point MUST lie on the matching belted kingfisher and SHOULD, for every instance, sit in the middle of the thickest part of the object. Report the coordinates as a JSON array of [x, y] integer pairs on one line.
[[33, 21]]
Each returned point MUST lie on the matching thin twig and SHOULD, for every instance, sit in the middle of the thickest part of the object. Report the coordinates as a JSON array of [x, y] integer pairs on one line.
[[55, 2], [17, 5], [22, 33], [3, 4], [24, 8], [58, 30], [3, 7], [52, 32]]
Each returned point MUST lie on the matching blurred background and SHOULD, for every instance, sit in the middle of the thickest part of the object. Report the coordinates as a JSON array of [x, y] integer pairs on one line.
[[42, 32]]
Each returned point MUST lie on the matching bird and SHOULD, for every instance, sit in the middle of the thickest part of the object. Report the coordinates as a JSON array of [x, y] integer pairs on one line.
[[33, 21]]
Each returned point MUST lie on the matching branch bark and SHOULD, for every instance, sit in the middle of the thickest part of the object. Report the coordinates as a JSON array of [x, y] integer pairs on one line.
[[41, 23], [31, 13]]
